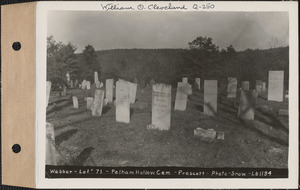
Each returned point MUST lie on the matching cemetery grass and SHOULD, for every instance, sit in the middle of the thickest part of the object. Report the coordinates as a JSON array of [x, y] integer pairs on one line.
[[86, 140]]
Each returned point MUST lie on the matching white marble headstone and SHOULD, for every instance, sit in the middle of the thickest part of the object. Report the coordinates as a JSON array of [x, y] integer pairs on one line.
[[75, 102], [98, 103], [109, 83], [181, 96], [275, 87], [232, 87], [122, 101]]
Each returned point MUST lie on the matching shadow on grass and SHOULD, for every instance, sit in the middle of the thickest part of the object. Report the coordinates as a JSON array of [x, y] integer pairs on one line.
[[106, 109], [199, 107], [272, 121], [83, 156], [64, 136]]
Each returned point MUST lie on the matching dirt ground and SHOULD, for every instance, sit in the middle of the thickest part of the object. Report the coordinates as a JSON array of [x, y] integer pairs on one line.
[[86, 140]]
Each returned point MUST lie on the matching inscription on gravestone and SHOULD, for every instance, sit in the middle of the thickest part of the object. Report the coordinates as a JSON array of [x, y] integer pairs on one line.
[[98, 103], [109, 90], [210, 97], [122, 101], [161, 106], [275, 87], [181, 96], [247, 105], [232, 86]]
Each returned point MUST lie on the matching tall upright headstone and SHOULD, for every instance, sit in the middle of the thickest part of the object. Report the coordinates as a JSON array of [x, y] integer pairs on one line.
[[96, 79], [247, 104], [132, 92], [245, 85], [122, 101], [258, 85], [210, 97], [185, 79], [275, 87], [75, 102], [263, 86], [98, 103], [181, 96], [48, 90], [109, 93], [161, 106], [197, 80], [232, 87], [51, 157], [88, 85], [83, 84], [89, 103]]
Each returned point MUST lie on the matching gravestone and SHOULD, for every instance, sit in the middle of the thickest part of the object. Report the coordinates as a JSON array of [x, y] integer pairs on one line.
[[247, 104], [210, 97], [197, 80], [89, 103], [109, 83], [48, 90], [92, 91], [275, 87], [152, 82], [132, 92], [83, 84], [98, 103], [263, 88], [190, 89], [51, 157], [258, 85], [161, 106], [75, 102], [185, 79], [88, 85], [245, 85], [72, 84], [68, 76], [96, 79], [122, 101], [181, 96], [232, 86], [79, 85], [76, 83]]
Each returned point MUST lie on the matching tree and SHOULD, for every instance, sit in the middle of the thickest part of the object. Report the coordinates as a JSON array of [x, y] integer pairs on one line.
[[90, 60]]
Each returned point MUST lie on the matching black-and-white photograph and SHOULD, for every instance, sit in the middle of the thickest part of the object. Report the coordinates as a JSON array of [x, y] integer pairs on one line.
[[167, 94]]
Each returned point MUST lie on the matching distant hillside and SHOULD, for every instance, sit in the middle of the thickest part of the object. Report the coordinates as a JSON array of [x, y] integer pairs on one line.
[[170, 65]]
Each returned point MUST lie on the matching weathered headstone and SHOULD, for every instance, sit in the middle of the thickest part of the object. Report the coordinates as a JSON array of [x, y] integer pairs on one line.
[[275, 87], [83, 84], [132, 92], [245, 85], [76, 83], [122, 101], [263, 86], [109, 83], [161, 106], [75, 102], [181, 96], [247, 104], [210, 97], [51, 157], [89, 103], [98, 103], [48, 90], [185, 79], [197, 80], [96, 79], [258, 85], [232, 87], [88, 85]]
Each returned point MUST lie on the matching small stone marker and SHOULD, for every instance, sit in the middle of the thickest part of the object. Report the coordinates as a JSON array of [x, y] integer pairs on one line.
[[98, 103], [275, 87], [258, 85], [220, 135], [89, 103], [48, 90], [83, 84], [247, 105], [109, 90], [50, 145], [197, 80], [263, 88], [122, 101], [161, 106], [210, 97], [232, 86], [283, 112], [185, 79], [245, 85], [75, 102], [132, 92], [207, 135], [88, 85], [181, 96]]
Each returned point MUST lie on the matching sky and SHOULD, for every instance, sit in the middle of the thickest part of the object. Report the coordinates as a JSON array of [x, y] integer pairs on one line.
[[155, 30]]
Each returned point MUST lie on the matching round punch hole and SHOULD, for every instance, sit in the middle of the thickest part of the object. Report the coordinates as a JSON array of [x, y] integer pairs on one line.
[[16, 46], [16, 148]]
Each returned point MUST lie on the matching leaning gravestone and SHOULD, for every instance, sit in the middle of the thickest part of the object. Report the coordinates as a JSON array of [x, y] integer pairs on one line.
[[50, 145], [197, 80], [232, 86], [75, 102], [210, 97], [98, 103], [185, 79], [275, 87], [258, 85], [88, 85], [109, 83], [161, 106], [181, 96], [245, 85], [48, 90], [263, 88], [122, 101], [83, 84], [89, 103], [247, 104], [132, 92]]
